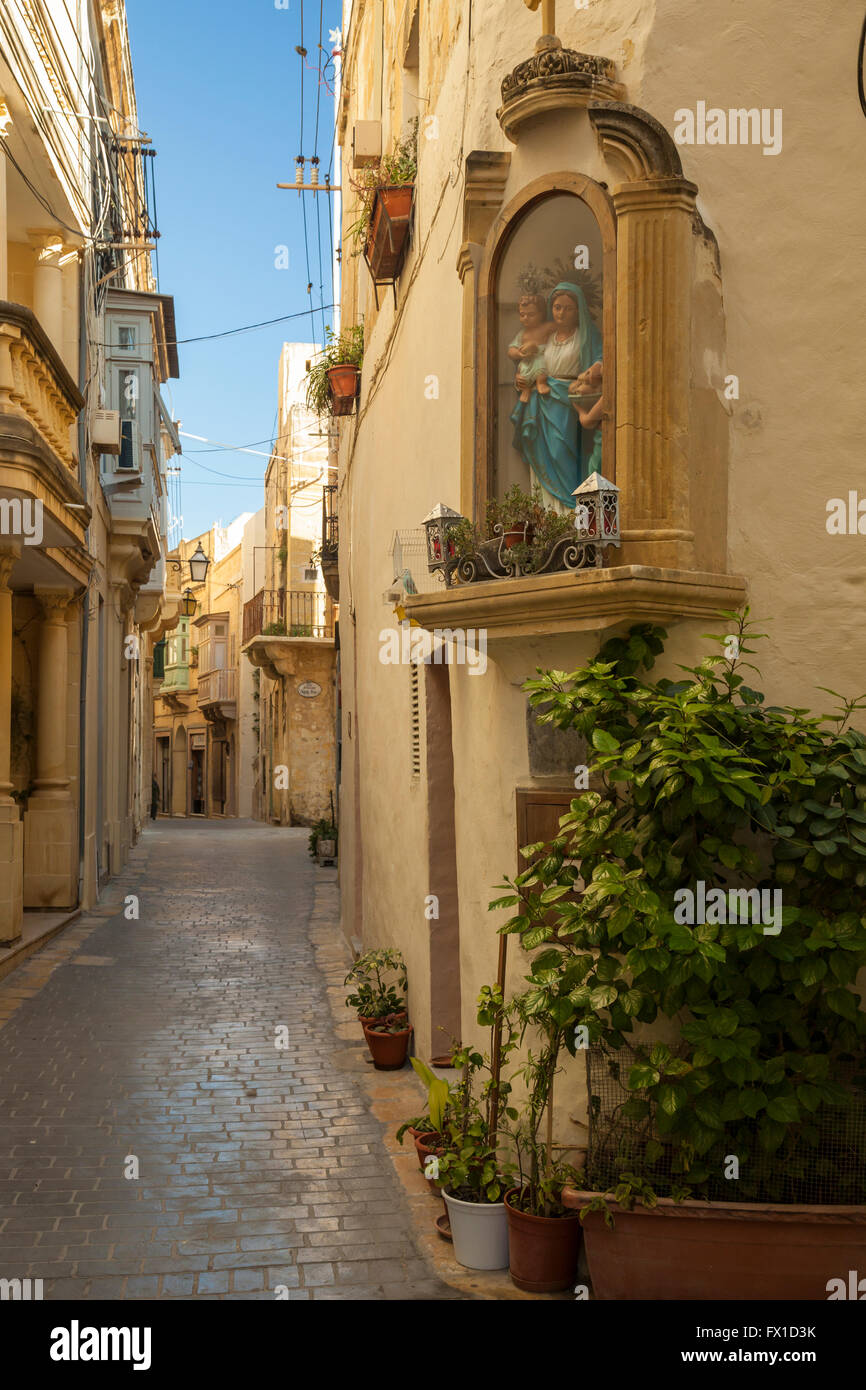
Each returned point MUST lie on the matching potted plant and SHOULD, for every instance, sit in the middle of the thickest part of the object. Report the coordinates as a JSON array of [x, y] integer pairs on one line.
[[385, 193], [376, 996], [544, 1237], [388, 1039], [426, 1130], [516, 516], [470, 1174], [720, 868], [333, 381]]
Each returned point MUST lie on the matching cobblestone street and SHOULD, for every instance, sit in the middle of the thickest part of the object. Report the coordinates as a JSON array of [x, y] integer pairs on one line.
[[154, 1039]]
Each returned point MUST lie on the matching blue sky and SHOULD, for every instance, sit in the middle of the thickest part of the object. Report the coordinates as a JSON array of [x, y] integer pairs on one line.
[[219, 92]]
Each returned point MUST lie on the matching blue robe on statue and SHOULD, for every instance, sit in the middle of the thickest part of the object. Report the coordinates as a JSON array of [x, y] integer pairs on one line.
[[547, 431]]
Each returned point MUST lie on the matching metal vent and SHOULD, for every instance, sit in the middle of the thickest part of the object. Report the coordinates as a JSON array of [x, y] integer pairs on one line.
[[415, 718]]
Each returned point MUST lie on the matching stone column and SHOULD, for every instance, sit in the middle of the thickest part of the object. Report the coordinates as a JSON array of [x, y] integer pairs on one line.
[[5, 123], [654, 278], [48, 284], [11, 829], [50, 842]]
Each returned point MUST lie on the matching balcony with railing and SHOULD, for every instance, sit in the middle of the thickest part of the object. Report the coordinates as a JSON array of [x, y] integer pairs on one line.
[[330, 542], [218, 688], [276, 621]]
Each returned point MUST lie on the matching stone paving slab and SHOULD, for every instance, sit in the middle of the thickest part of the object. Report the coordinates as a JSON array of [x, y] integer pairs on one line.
[[148, 1046]]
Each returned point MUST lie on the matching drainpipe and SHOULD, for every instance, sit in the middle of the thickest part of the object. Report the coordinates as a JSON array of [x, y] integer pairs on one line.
[[85, 613]]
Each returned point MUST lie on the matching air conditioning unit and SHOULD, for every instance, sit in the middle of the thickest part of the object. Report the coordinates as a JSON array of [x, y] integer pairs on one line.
[[105, 431], [366, 143]]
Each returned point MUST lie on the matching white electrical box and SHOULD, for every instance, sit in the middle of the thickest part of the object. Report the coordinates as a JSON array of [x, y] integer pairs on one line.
[[105, 431], [366, 143]]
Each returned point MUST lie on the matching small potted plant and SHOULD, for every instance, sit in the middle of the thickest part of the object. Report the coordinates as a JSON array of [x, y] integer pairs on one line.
[[388, 1040], [470, 1174], [517, 515], [426, 1130], [385, 192], [375, 996], [333, 381]]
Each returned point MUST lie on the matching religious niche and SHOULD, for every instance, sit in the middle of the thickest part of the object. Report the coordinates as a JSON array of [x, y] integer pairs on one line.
[[548, 376]]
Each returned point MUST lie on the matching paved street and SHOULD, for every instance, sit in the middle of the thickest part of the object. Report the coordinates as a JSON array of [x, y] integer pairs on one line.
[[155, 1040]]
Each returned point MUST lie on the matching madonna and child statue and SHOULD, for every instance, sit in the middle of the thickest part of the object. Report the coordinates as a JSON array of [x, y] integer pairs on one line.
[[557, 355]]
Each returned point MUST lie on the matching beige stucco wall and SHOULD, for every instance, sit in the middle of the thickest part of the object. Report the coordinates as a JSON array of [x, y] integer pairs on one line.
[[791, 306]]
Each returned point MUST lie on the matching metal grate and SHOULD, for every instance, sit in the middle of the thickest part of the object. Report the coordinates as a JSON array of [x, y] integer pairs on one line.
[[409, 553], [824, 1165]]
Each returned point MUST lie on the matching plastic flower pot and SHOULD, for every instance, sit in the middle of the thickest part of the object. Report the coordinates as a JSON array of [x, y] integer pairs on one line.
[[388, 1050], [479, 1231], [543, 1249]]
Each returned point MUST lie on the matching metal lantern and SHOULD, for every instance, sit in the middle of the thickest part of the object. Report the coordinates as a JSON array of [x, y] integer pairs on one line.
[[198, 566], [188, 605], [441, 550], [596, 507]]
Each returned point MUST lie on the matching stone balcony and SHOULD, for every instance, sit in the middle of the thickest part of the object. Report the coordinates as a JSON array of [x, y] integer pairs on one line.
[[279, 624]]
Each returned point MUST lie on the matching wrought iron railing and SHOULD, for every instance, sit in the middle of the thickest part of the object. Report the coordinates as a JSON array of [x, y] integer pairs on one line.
[[288, 613]]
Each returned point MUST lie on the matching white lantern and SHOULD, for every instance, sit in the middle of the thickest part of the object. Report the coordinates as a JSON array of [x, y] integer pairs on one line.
[[596, 508], [441, 551]]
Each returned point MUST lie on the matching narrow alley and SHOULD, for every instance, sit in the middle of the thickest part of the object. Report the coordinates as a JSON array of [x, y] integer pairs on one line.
[[261, 1172]]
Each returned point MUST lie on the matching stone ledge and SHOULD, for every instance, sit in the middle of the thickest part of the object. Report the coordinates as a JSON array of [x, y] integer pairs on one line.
[[590, 600]]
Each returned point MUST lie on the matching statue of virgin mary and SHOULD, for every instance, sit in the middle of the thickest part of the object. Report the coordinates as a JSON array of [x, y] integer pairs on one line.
[[547, 431]]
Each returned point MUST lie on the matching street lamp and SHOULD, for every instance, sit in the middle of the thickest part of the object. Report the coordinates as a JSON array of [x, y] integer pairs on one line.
[[189, 604], [198, 566]]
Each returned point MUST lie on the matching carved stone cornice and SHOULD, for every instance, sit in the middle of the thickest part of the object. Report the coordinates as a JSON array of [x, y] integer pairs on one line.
[[591, 600], [552, 80], [636, 139]]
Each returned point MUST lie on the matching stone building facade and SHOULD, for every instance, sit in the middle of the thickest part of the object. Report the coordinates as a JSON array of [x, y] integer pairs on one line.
[[658, 165], [86, 342]]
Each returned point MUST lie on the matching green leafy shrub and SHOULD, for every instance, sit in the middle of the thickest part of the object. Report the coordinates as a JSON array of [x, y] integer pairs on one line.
[[694, 782]]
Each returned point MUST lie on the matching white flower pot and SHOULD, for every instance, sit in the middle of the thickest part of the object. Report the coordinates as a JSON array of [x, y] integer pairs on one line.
[[480, 1233]]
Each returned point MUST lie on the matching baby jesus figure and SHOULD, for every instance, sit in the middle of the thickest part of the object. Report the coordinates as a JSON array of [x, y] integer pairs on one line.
[[528, 346], [588, 384]]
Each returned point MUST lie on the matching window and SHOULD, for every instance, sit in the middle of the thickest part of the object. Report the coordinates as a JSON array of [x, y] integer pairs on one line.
[[550, 350], [126, 337], [128, 393]]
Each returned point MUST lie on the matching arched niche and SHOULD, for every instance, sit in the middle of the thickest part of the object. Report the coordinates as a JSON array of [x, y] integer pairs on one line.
[[559, 230]]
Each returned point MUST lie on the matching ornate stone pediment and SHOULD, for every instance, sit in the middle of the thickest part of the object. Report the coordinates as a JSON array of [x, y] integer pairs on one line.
[[554, 78]]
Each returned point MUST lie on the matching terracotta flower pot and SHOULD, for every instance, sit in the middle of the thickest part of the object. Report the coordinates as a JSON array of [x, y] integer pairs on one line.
[[730, 1251], [427, 1145], [367, 1020], [516, 535], [343, 381], [543, 1249], [388, 235], [388, 1050]]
